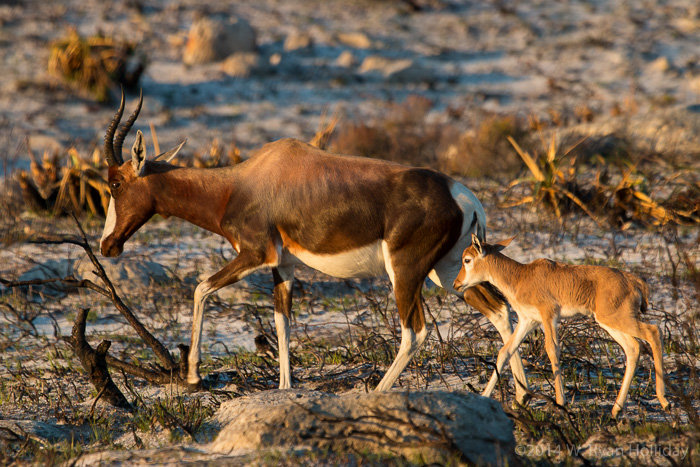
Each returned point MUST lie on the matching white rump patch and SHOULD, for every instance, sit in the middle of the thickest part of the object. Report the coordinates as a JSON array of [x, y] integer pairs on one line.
[[366, 261], [110, 222]]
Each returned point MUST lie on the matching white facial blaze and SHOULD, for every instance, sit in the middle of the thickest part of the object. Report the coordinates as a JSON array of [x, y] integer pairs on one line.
[[110, 222]]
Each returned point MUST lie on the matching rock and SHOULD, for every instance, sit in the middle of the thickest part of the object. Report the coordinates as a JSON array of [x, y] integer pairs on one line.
[[275, 59], [395, 71], [356, 40], [11, 430], [124, 273], [164, 456], [232, 409], [660, 65], [694, 84], [241, 64], [51, 269], [430, 427], [346, 59], [297, 41], [212, 40]]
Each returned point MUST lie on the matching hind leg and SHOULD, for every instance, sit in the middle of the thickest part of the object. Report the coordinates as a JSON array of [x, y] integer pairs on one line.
[[652, 335], [553, 348], [407, 284], [631, 348]]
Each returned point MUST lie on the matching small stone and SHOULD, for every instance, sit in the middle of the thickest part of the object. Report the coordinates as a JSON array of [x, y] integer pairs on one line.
[[346, 59], [356, 40], [396, 71], [297, 41], [661, 64], [241, 64]]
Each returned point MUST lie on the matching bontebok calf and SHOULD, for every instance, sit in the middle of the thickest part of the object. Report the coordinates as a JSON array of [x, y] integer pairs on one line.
[[544, 292], [291, 203]]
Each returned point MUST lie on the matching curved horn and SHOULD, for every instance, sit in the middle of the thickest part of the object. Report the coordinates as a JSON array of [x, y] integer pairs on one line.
[[119, 140], [109, 136]]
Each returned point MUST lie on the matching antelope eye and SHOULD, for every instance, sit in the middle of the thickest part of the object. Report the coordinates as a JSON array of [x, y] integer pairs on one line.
[[115, 185], [467, 260]]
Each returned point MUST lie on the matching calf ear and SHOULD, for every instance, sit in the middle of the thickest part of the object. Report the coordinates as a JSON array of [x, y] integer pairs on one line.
[[138, 154], [503, 243], [476, 243]]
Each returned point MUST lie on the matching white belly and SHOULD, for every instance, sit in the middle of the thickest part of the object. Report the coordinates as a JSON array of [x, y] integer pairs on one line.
[[366, 261]]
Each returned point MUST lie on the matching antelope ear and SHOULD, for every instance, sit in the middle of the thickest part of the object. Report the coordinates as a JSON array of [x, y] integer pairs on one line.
[[476, 244], [503, 243], [138, 154], [170, 153]]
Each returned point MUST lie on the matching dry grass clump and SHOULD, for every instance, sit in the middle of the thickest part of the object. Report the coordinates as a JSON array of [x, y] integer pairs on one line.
[[404, 135], [78, 186], [217, 155], [94, 64], [485, 150], [616, 195]]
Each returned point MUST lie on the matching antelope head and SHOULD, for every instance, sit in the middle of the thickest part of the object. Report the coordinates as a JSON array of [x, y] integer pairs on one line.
[[474, 270], [133, 200]]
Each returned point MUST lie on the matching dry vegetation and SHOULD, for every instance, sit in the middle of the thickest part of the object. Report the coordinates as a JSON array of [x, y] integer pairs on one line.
[[94, 65], [572, 190], [606, 195]]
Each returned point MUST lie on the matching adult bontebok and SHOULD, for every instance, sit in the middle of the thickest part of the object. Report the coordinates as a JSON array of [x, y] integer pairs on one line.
[[544, 292], [291, 203]]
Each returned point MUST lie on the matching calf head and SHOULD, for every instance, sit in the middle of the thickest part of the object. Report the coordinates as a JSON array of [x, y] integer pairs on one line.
[[474, 269]]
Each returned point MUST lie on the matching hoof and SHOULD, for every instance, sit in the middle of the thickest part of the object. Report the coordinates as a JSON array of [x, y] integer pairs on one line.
[[194, 387], [522, 401]]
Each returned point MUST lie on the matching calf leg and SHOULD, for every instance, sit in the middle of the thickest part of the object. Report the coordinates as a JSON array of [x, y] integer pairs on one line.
[[631, 347], [522, 329], [652, 335], [483, 299], [553, 348]]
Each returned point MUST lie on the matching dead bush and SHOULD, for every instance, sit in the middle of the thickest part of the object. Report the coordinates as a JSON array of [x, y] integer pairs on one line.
[[485, 150], [94, 64], [404, 135], [617, 195], [76, 185]]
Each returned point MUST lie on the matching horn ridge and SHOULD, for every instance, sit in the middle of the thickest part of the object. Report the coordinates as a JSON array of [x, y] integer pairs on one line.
[[109, 136], [124, 130]]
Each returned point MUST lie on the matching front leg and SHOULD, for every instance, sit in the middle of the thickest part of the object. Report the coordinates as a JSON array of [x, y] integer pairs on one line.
[[553, 348], [284, 280], [522, 329], [245, 263]]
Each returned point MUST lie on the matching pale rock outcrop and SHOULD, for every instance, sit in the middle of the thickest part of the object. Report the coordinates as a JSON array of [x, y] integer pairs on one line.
[[429, 427], [212, 40]]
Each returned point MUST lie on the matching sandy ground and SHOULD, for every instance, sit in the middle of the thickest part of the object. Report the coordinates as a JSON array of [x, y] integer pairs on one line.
[[531, 59], [635, 65]]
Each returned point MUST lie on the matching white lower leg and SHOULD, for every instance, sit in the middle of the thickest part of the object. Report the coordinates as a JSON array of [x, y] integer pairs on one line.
[[410, 343], [283, 331], [200, 296]]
